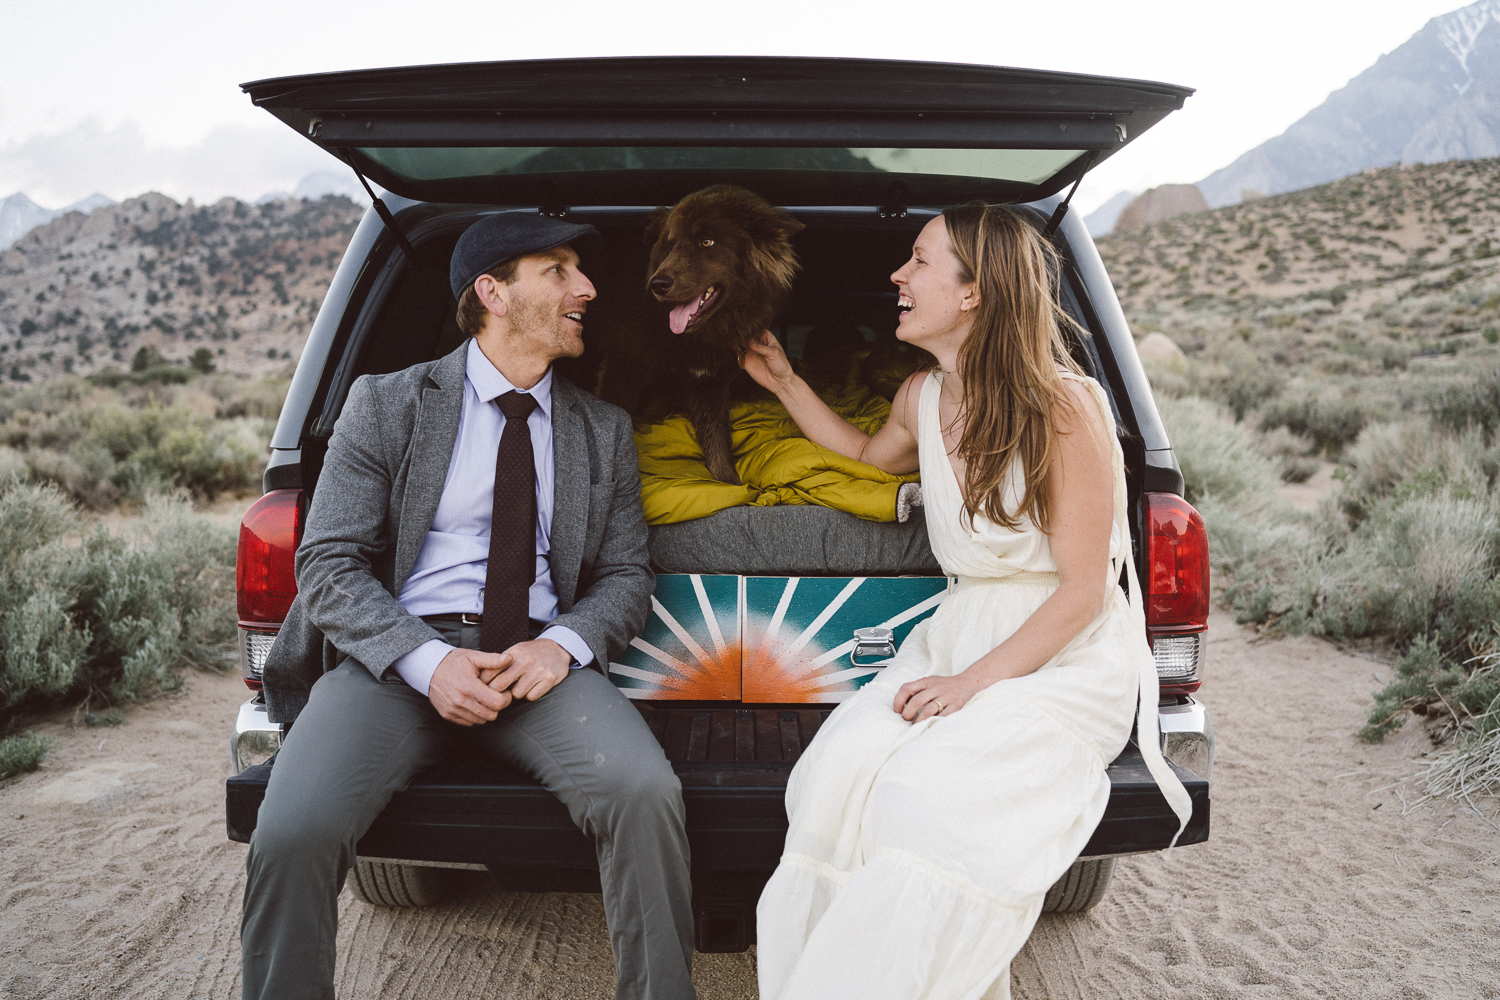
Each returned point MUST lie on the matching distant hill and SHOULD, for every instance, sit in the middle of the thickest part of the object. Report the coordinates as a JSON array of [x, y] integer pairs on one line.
[[1378, 232], [19, 215], [1325, 308], [1434, 98], [86, 291]]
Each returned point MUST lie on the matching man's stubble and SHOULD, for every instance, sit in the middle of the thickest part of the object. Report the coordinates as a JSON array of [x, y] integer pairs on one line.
[[541, 325]]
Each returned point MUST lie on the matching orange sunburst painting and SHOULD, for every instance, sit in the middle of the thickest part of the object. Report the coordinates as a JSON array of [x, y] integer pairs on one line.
[[690, 647], [799, 632]]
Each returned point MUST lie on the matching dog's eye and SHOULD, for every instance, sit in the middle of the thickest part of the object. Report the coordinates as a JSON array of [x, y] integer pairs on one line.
[[705, 243]]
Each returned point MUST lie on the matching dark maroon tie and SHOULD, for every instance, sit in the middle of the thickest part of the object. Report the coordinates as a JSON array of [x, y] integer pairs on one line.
[[512, 564]]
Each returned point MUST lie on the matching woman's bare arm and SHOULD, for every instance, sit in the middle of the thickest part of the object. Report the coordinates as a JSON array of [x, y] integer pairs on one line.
[[1081, 496], [892, 449]]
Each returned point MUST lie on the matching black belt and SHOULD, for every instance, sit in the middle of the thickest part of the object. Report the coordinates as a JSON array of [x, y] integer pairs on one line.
[[471, 618]]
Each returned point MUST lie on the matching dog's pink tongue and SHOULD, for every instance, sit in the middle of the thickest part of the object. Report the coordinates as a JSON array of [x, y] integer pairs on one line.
[[682, 316]]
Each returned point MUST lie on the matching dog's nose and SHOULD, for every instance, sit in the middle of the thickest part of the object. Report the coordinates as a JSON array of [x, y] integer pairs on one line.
[[661, 284]]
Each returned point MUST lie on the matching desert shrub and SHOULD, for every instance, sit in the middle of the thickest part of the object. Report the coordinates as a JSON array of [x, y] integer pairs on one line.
[[12, 464], [101, 451], [105, 444], [1417, 565], [1330, 423], [107, 615], [1429, 682], [1475, 404], [22, 754], [1231, 374], [1218, 454], [1291, 454], [1414, 454], [1472, 766], [260, 398]]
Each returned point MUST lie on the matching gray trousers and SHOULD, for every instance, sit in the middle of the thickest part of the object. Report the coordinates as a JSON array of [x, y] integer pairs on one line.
[[359, 741]]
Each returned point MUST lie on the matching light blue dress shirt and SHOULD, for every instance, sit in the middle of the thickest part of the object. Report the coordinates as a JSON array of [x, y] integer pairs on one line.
[[448, 575]]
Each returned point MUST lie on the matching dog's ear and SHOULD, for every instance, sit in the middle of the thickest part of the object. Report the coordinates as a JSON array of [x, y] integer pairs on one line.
[[771, 225], [655, 223]]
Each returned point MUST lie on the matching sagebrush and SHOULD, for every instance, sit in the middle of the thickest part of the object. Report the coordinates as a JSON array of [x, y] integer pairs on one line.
[[105, 441], [101, 616]]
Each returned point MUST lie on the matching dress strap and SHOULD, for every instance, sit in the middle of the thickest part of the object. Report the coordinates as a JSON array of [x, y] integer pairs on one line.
[[1147, 722]]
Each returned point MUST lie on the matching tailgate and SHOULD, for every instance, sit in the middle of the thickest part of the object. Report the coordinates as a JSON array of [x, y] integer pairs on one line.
[[733, 764]]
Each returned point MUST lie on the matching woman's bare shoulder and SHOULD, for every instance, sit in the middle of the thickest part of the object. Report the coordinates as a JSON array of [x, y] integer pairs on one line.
[[1083, 410]]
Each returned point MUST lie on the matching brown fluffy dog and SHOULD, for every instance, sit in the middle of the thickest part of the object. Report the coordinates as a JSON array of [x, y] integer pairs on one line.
[[721, 267]]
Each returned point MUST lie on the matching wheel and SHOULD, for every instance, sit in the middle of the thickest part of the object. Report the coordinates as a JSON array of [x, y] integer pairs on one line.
[[381, 883], [1081, 886]]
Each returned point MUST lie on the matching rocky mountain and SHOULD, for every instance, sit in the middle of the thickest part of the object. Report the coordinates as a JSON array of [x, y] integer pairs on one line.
[[83, 292], [1101, 221], [19, 214], [315, 185], [1434, 98], [1159, 204]]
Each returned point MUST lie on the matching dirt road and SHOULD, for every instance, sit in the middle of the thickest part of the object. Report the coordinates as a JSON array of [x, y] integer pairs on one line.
[[116, 879]]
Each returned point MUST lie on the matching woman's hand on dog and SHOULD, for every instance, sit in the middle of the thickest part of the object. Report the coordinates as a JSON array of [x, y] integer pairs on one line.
[[767, 363]]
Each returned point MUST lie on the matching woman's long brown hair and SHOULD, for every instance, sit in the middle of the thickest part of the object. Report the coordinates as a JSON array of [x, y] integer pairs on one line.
[[1009, 362]]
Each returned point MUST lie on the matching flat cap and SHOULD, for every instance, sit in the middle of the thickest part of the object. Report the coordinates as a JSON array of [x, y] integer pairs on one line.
[[504, 236]]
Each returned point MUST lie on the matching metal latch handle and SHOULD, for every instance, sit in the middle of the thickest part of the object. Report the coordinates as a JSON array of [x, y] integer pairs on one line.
[[874, 642]]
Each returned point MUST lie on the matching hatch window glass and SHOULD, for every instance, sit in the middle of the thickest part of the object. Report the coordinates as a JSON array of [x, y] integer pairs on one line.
[[1022, 166]]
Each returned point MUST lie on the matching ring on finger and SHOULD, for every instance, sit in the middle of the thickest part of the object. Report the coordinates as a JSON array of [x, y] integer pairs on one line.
[[941, 707]]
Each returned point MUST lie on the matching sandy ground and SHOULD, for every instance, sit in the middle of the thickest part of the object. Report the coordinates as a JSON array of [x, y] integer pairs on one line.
[[116, 879]]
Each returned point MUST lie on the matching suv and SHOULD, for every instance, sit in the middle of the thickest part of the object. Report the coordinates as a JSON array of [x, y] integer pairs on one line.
[[764, 618]]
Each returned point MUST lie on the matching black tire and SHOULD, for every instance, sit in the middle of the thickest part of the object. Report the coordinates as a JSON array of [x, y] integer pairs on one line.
[[381, 883], [1081, 886]]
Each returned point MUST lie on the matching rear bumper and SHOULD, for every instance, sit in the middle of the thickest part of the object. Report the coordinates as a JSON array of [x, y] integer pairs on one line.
[[255, 737], [492, 816]]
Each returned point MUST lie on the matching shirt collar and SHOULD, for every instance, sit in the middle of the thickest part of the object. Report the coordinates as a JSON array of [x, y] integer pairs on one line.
[[489, 384]]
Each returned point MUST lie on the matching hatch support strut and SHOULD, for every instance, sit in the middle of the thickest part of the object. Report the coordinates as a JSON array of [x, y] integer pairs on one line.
[[384, 212], [1062, 206]]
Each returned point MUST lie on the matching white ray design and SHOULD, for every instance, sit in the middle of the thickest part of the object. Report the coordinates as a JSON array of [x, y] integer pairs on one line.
[[699, 653], [708, 614], [895, 622], [662, 656], [636, 673], [809, 633], [773, 629], [840, 676]]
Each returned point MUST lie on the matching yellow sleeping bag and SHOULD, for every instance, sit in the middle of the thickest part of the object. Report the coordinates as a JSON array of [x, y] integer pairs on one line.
[[774, 461]]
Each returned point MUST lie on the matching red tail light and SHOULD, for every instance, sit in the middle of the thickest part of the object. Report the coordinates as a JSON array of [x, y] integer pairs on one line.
[[265, 577], [1177, 594]]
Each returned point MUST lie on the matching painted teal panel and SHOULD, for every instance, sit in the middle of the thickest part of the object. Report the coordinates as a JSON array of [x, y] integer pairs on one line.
[[690, 647], [799, 631]]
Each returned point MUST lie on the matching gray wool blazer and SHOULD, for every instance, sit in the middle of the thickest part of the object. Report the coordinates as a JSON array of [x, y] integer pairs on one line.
[[380, 486]]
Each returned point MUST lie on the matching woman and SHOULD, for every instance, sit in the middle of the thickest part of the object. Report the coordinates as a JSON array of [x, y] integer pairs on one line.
[[939, 804]]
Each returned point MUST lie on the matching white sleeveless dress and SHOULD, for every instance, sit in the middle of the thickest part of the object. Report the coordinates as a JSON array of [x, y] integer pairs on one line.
[[919, 853]]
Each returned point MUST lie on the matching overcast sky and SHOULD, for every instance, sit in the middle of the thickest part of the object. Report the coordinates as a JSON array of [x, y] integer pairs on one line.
[[127, 97]]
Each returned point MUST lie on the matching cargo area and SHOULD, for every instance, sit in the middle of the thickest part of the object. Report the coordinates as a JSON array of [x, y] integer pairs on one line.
[[754, 604]]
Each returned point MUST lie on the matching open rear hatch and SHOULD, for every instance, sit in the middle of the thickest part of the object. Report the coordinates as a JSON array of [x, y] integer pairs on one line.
[[646, 131]]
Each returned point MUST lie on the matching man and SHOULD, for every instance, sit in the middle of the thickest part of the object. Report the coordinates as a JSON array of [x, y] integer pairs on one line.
[[474, 547]]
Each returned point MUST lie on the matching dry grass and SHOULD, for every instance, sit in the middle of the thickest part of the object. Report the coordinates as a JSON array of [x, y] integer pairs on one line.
[[1356, 322]]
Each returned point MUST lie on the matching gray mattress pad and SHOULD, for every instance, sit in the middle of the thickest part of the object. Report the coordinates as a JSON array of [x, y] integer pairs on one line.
[[793, 541]]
